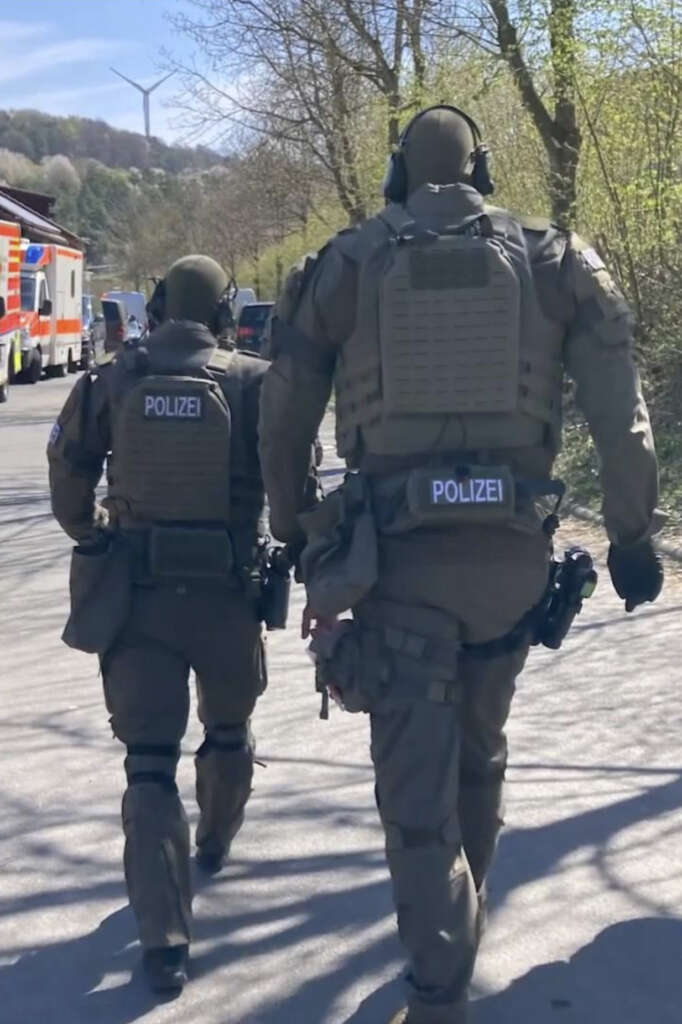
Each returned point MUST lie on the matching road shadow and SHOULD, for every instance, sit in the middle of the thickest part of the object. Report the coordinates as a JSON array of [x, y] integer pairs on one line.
[[97, 976], [629, 974]]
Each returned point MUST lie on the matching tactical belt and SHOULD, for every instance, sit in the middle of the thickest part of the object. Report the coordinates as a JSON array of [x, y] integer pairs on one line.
[[170, 554], [458, 493]]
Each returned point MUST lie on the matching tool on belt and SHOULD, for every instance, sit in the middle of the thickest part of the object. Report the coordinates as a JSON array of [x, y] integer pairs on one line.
[[267, 583], [571, 581]]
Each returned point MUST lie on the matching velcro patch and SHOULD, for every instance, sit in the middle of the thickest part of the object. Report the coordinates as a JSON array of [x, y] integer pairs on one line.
[[465, 494], [446, 490], [173, 406]]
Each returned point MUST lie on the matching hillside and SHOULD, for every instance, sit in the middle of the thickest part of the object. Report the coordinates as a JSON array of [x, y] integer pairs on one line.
[[37, 135]]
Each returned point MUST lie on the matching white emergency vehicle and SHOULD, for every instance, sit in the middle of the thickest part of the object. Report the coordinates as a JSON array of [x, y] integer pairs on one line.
[[10, 338], [51, 308]]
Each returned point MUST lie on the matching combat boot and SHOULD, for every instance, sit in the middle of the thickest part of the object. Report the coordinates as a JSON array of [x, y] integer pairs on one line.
[[166, 967], [211, 859]]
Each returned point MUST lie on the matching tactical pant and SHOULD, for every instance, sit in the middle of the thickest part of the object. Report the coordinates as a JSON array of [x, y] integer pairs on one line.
[[172, 630], [440, 765]]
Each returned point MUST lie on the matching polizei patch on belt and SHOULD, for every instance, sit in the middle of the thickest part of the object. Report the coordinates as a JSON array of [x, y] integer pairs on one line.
[[173, 405], [466, 494], [478, 491]]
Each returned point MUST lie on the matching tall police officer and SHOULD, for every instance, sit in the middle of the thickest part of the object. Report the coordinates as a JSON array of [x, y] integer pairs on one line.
[[158, 583], [445, 327]]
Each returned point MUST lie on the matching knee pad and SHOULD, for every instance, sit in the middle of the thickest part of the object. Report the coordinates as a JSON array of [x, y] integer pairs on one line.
[[152, 762], [228, 739], [229, 744]]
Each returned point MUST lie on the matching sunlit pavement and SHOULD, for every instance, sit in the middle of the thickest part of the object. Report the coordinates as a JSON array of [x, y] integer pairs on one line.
[[299, 927]]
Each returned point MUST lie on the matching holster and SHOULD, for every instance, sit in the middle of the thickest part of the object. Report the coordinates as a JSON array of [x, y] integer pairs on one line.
[[100, 585], [340, 560]]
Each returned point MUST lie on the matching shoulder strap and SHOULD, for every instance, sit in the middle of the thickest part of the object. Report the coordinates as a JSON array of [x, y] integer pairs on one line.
[[221, 360]]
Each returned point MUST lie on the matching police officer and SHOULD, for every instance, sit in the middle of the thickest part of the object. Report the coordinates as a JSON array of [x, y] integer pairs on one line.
[[445, 327], [182, 523]]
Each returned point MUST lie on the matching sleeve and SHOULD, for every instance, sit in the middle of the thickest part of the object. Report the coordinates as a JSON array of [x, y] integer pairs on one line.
[[310, 322], [598, 356], [78, 445]]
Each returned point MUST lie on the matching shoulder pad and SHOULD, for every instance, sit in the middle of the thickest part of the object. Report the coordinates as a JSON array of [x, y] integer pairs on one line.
[[105, 358], [296, 281], [539, 224], [221, 360]]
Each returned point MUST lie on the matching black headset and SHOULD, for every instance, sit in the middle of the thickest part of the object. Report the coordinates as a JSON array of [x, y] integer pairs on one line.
[[395, 182], [221, 320]]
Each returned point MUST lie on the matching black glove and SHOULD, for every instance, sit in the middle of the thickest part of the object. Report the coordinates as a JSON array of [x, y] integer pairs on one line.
[[98, 545], [636, 573]]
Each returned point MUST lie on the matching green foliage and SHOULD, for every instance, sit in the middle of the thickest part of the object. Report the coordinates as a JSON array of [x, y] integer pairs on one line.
[[38, 135]]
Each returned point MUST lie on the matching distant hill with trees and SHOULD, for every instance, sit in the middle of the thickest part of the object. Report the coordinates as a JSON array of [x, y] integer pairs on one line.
[[36, 135]]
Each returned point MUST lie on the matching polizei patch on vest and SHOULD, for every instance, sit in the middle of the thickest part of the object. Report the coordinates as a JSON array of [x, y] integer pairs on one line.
[[468, 494], [173, 405]]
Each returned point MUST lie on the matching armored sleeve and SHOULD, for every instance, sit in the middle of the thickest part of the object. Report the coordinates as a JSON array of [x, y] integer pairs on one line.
[[312, 319], [78, 445], [598, 356]]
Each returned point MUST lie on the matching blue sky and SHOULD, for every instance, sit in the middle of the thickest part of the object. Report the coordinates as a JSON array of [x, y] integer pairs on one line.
[[55, 56]]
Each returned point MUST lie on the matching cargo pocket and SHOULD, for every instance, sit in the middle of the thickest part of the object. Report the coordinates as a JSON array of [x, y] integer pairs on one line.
[[100, 588]]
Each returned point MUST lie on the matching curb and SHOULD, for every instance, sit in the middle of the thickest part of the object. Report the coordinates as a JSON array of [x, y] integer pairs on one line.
[[671, 551]]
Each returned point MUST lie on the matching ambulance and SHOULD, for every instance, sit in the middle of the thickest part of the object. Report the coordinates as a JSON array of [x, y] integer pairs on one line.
[[51, 309], [10, 338]]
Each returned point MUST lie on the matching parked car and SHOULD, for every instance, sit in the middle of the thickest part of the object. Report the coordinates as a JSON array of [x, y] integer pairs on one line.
[[251, 325], [115, 324], [135, 305]]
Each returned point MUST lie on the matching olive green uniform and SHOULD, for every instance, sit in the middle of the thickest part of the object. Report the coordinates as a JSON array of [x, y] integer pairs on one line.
[[440, 752], [174, 624]]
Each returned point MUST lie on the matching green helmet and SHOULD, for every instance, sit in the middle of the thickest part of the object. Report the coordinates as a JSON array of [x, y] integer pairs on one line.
[[194, 287], [440, 146]]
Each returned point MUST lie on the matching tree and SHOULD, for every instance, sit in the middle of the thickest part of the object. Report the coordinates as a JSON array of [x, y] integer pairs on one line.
[[313, 66]]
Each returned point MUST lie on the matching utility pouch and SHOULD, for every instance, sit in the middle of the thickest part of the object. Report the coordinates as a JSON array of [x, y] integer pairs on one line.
[[388, 655], [189, 553], [460, 494], [100, 585], [340, 561], [348, 659]]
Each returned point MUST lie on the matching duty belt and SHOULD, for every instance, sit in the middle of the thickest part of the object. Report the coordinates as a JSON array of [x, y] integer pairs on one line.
[[457, 493], [172, 553]]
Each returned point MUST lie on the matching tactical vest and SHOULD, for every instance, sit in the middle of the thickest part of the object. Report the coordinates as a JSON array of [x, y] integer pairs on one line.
[[178, 448], [171, 445], [451, 350]]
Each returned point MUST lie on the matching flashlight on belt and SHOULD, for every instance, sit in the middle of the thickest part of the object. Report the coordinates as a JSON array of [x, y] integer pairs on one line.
[[571, 581]]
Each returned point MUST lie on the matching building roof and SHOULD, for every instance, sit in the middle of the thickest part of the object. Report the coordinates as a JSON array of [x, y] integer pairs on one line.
[[35, 226]]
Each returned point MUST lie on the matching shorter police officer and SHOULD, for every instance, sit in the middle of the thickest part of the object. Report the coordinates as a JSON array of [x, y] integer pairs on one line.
[[161, 583]]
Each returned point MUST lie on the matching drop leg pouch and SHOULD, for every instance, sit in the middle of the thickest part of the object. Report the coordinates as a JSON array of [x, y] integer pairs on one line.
[[100, 585]]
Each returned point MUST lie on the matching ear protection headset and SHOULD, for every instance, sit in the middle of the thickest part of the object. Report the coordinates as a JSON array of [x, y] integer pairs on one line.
[[395, 182], [221, 320]]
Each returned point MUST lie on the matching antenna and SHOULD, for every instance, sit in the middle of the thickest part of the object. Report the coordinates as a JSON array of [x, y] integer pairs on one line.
[[145, 95]]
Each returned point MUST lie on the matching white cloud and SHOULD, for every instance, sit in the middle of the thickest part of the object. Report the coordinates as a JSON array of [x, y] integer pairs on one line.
[[16, 31], [47, 58], [61, 100]]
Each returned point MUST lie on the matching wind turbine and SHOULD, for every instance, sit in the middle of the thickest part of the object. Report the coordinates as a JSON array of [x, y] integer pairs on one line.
[[145, 95]]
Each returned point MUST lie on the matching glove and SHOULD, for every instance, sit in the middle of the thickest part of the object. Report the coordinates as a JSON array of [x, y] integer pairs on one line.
[[95, 545], [636, 572]]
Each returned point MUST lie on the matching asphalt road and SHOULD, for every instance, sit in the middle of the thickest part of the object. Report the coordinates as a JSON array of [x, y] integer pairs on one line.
[[299, 929]]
